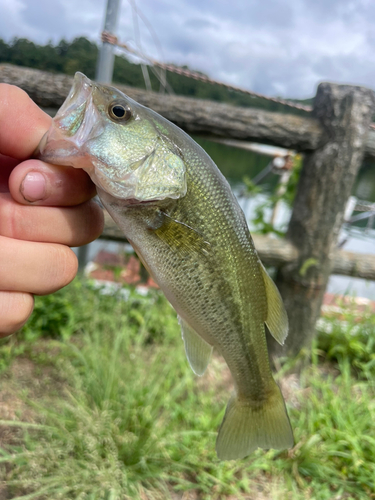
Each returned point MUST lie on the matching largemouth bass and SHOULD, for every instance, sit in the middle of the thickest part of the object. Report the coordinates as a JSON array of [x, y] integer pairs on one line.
[[179, 213]]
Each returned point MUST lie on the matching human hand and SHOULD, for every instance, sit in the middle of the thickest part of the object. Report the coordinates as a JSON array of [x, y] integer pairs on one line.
[[44, 209]]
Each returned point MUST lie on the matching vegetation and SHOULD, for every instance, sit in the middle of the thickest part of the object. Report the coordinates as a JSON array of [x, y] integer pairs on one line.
[[108, 408], [262, 222], [81, 55]]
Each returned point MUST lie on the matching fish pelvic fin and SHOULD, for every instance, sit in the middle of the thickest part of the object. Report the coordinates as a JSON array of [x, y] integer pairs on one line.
[[277, 319], [198, 351], [247, 426]]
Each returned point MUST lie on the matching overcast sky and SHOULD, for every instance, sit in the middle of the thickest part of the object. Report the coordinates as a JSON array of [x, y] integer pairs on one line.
[[276, 47]]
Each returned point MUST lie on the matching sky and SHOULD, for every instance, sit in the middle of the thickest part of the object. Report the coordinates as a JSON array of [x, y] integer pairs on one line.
[[275, 47]]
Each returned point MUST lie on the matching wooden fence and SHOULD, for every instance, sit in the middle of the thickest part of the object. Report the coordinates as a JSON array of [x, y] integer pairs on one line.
[[334, 138]]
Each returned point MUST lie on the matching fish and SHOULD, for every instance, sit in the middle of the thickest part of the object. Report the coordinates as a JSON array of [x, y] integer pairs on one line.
[[179, 213]]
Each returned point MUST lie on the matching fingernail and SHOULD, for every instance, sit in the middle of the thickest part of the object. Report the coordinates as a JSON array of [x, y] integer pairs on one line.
[[33, 187]]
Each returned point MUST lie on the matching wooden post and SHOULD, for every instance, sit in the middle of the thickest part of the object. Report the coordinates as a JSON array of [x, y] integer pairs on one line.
[[325, 185]]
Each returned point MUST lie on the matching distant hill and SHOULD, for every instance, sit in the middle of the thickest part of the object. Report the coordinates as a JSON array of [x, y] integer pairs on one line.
[[81, 55]]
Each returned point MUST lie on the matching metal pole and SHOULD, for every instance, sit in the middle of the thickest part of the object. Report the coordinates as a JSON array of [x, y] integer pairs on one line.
[[104, 72], [106, 59], [82, 255]]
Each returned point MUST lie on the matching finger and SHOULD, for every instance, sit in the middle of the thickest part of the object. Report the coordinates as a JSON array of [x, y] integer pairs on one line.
[[22, 123], [40, 183], [15, 310], [72, 226], [37, 268]]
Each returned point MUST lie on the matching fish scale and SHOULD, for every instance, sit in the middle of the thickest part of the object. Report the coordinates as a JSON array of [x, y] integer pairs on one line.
[[180, 215]]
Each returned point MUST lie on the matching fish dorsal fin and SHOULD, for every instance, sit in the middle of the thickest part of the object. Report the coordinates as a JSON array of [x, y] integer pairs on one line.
[[277, 319], [198, 352]]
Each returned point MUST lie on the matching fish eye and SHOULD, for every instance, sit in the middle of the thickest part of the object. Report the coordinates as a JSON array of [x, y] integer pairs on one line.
[[119, 112]]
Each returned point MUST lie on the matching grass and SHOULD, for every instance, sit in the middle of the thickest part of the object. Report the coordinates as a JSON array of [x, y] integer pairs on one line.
[[111, 410]]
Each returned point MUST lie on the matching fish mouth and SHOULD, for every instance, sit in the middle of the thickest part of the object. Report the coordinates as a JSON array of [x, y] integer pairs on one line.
[[79, 93], [75, 122]]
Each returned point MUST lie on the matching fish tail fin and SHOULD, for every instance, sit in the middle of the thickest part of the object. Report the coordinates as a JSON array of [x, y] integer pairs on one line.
[[248, 425]]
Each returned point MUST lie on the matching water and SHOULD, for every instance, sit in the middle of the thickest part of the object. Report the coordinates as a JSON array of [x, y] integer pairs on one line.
[[236, 164]]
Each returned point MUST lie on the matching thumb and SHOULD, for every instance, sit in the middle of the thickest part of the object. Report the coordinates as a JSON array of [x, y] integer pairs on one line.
[[22, 123]]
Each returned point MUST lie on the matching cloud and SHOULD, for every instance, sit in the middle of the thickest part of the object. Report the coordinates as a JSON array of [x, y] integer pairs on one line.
[[52, 11], [277, 47]]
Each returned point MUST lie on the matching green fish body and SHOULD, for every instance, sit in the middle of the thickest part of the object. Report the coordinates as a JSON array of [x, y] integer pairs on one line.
[[179, 213]]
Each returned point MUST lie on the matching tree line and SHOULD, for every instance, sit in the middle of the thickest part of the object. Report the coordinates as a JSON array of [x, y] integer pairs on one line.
[[81, 55]]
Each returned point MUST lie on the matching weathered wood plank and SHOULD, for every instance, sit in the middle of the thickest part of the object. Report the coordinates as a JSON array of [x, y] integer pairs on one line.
[[357, 265], [197, 116], [280, 252]]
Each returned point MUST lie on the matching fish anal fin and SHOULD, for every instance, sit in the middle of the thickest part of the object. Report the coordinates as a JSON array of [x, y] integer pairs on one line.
[[247, 426], [198, 351], [277, 319]]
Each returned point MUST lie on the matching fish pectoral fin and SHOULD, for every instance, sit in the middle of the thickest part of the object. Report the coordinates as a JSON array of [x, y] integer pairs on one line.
[[248, 425], [277, 319], [198, 351], [181, 237]]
